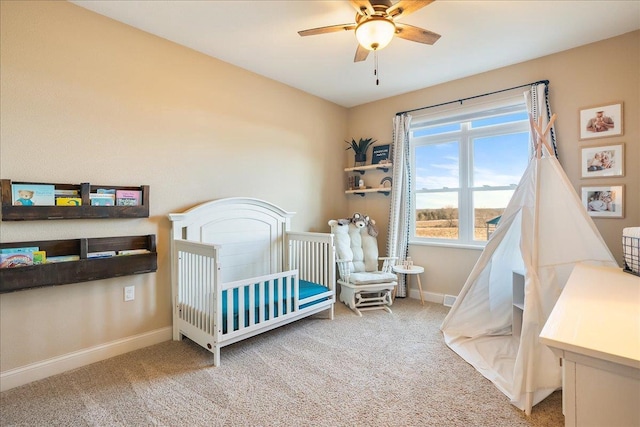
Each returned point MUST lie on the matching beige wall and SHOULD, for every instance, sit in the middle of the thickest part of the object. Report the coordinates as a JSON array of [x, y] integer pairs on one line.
[[586, 76], [87, 99]]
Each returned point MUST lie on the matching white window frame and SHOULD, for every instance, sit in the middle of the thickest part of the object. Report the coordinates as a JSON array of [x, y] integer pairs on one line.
[[464, 137]]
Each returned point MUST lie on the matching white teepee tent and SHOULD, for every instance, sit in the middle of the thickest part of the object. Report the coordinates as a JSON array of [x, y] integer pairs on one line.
[[497, 318]]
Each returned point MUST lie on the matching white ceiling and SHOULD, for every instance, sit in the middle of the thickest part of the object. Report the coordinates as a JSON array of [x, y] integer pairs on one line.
[[477, 36]]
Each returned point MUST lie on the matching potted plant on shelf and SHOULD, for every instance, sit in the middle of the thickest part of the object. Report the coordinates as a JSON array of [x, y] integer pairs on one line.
[[360, 149]]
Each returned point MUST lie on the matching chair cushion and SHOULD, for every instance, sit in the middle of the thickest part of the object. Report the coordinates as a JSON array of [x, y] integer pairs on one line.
[[355, 245], [369, 278]]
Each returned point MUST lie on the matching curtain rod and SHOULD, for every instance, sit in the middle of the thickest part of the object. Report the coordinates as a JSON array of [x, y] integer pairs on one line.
[[473, 97]]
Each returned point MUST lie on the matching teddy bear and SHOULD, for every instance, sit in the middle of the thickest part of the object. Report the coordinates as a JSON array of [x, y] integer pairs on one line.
[[25, 198], [364, 223]]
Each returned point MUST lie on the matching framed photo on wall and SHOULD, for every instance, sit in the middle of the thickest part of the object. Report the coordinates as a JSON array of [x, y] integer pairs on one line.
[[601, 121], [602, 160], [605, 201]]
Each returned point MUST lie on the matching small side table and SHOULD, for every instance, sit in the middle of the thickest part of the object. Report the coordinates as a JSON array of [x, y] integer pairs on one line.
[[414, 270]]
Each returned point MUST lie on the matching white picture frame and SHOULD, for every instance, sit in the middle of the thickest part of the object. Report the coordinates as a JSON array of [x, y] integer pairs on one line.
[[601, 121], [602, 160], [604, 201]]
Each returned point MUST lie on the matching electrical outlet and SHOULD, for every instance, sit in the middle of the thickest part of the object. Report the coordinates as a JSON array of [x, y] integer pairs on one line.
[[129, 293]]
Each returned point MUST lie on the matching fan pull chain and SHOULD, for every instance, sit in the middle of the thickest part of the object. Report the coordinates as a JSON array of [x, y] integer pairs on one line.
[[375, 69]]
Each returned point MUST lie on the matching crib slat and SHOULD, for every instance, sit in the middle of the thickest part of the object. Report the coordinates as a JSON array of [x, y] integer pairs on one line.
[[252, 305], [230, 325], [261, 296], [282, 296], [271, 291]]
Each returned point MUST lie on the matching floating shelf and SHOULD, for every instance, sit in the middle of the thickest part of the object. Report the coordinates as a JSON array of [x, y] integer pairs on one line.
[[83, 270], [85, 211]]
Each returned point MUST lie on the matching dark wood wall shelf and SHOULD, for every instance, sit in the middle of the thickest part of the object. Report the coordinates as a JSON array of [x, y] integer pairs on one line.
[[85, 211], [83, 270]]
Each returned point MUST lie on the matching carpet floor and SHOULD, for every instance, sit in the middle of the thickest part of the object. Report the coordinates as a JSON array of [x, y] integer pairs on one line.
[[377, 370]]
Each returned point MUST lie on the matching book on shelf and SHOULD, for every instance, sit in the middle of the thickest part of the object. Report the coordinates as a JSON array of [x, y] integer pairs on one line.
[[133, 252], [354, 182], [17, 257], [59, 192], [63, 258], [101, 254], [100, 199], [68, 201], [33, 194], [128, 197], [39, 257], [106, 191], [19, 250]]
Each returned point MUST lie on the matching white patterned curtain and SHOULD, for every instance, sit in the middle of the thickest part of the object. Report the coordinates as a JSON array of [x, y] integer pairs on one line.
[[537, 99], [400, 208]]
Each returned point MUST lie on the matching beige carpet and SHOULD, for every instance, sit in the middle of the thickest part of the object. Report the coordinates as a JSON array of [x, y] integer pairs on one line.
[[378, 370]]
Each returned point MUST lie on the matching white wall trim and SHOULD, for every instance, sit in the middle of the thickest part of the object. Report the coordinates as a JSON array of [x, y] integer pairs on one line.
[[36, 371], [428, 296]]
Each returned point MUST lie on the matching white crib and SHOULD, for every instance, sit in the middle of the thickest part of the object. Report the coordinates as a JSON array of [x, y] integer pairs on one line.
[[238, 271]]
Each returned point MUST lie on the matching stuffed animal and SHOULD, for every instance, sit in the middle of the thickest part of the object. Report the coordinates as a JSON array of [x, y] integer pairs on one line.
[[372, 229], [358, 220], [364, 222]]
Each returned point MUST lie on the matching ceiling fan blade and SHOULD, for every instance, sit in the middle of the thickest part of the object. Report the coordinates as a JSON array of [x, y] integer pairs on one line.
[[416, 34], [386, 3], [361, 54], [363, 7], [405, 7], [329, 29]]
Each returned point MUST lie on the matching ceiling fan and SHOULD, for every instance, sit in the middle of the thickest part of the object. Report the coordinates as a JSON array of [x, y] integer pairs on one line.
[[376, 25]]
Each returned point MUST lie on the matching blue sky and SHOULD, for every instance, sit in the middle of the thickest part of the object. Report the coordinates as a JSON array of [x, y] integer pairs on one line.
[[498, 161]]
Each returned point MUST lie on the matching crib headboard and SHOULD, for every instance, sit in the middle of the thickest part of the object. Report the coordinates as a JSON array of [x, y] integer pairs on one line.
[[250, 232]]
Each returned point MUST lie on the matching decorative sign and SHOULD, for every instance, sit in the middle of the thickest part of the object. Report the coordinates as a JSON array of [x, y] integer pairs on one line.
[[381, 152]]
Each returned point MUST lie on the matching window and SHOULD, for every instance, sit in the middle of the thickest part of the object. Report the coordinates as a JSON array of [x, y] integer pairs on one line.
[[466, 166]]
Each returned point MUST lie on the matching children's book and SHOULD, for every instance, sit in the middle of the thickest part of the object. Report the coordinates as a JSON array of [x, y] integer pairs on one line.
[[68, 201], [102, 199], [128, 197], [39, 257], [33, 194], [133, 252], [19, 250], [66, 193], [63, 258], [102, 254], [17, 259]]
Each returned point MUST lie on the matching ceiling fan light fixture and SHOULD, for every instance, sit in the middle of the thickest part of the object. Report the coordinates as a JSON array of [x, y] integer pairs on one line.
[[375, 33]]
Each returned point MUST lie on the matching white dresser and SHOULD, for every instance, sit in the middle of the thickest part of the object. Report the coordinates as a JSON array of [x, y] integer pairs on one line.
[[595, 329]]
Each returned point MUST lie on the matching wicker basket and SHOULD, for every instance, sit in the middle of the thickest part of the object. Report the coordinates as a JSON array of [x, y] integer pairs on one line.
[[631, 254]]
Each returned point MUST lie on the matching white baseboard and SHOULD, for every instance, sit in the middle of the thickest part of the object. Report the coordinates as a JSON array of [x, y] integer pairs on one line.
[[36, 371], [428, 296]]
